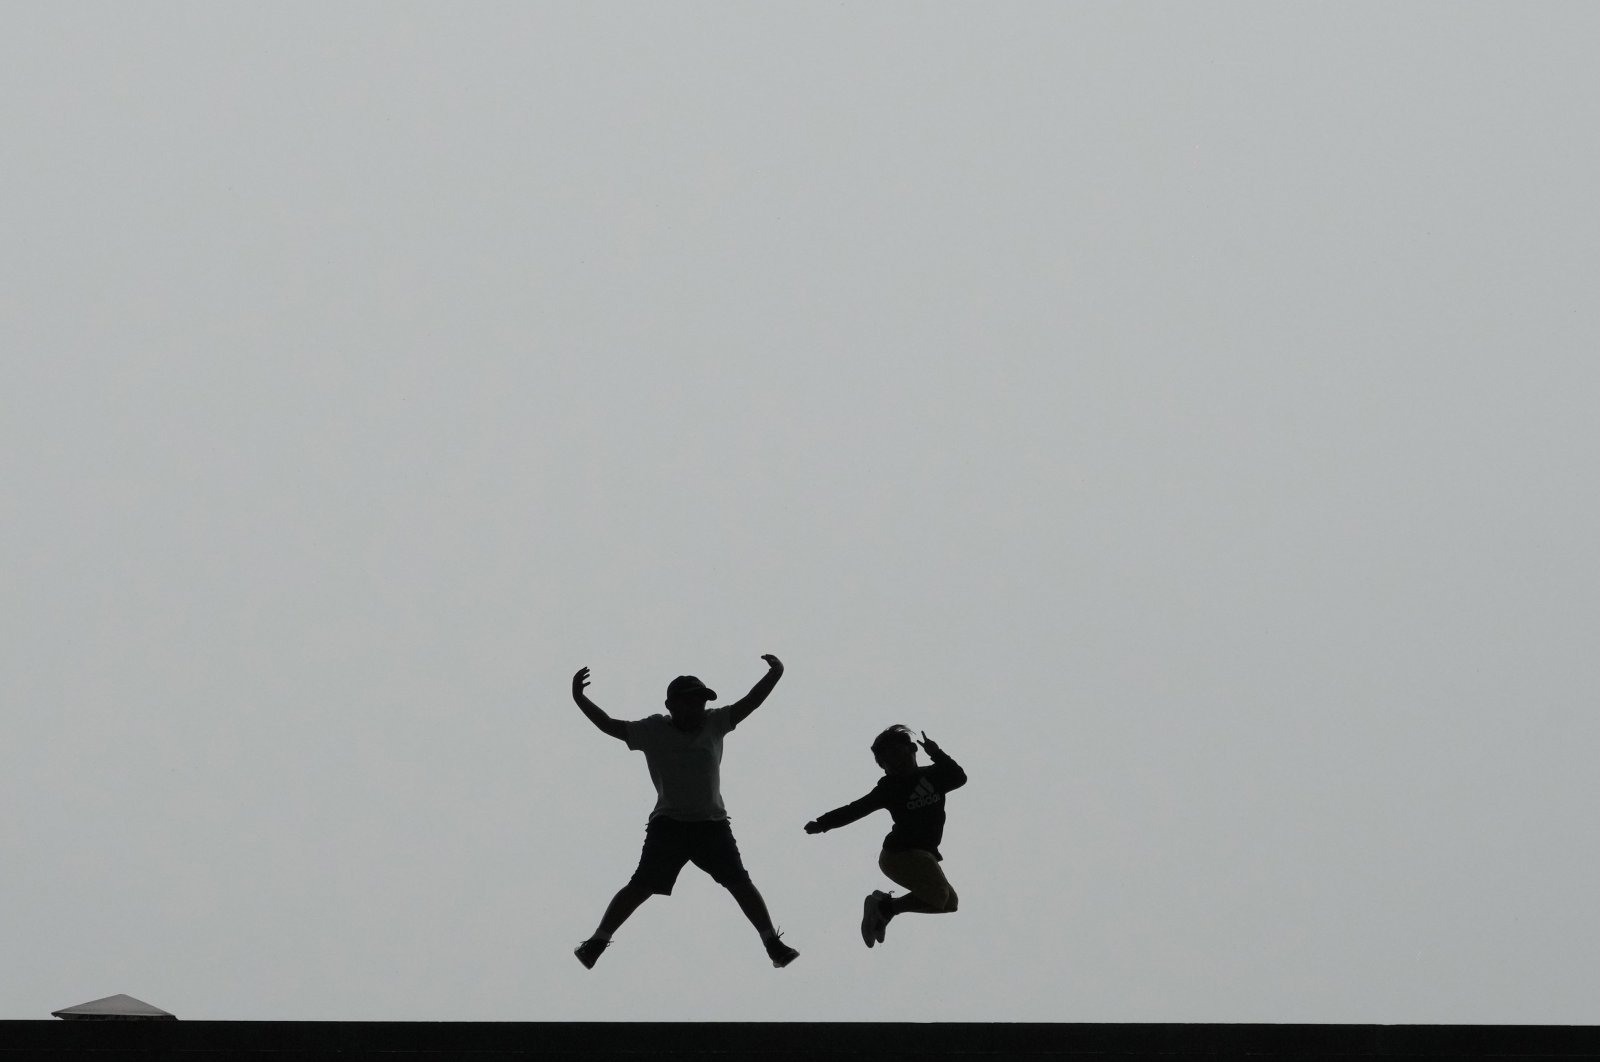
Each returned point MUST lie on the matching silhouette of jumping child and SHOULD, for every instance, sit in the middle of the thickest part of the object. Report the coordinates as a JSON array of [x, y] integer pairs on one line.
[[683, 751], [914, 796]]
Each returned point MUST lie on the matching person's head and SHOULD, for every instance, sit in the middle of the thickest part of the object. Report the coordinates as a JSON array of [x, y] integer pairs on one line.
[[686, 700], [895, 750]]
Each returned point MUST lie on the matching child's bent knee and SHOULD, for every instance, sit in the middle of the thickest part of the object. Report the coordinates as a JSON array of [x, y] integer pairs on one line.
[[736, 883]]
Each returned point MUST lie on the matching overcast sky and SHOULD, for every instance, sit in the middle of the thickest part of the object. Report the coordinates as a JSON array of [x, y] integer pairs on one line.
[[1185, 413]]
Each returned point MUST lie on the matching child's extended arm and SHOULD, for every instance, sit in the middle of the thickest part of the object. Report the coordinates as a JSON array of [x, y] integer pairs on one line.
[[742, 708], [856, 809], [949, 773], [613, 727]]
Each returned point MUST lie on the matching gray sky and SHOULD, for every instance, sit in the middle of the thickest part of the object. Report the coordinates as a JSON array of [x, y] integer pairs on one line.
[[1183, 412]]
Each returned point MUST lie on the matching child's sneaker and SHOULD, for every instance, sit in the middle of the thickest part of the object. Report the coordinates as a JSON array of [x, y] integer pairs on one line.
[[872, 919], [779, 952], [589, 951]]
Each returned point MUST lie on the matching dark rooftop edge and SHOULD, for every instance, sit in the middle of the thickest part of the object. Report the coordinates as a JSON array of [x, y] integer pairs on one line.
[[193, 1040]]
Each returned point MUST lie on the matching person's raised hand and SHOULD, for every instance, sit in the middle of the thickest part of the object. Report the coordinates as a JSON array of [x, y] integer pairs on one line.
[[929, 745], [773, 662], [579, 681], [812, 827]]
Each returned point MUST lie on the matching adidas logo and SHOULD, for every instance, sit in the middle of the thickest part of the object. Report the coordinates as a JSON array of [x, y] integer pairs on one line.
[[923, 795]]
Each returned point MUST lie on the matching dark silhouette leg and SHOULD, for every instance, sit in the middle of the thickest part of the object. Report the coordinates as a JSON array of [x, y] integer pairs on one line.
[[910, 903], [919, 873], [754, 907], [623, 904], [927, 891]]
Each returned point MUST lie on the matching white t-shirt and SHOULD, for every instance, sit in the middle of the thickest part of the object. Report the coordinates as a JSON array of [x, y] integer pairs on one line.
[[686, 768]]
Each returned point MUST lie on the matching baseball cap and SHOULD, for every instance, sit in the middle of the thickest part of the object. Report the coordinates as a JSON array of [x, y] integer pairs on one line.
[[686, 686]]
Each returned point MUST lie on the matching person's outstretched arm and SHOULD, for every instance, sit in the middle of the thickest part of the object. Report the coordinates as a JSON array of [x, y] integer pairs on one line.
[[614, 727], [948, 774], [742, 707], [856, 809]]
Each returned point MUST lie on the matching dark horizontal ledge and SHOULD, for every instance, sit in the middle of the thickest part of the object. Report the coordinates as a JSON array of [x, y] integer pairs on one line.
[[191, 1041]]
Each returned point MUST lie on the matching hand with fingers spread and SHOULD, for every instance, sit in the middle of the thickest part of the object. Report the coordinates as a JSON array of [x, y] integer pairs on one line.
[[929, 745], [592, 711]]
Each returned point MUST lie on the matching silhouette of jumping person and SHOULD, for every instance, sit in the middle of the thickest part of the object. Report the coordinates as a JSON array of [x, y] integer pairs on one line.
[[914, 797], [683, 751]]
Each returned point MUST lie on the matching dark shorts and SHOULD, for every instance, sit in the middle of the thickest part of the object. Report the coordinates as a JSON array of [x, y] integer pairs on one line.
[[670, 843]]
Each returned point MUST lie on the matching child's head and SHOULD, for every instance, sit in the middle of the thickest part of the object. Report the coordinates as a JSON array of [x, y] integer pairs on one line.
[[895, 750], [686, 699]]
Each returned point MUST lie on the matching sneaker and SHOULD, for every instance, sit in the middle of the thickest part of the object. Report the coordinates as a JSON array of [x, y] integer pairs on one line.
[[872, 920], [589, 951], [884, 914], [779, 952]]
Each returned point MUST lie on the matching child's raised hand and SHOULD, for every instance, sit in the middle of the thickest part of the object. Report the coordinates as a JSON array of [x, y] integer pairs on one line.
[[929, 745], [812, 827]]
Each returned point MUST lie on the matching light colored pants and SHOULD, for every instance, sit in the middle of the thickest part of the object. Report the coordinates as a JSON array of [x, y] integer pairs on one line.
[[921, 876]]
